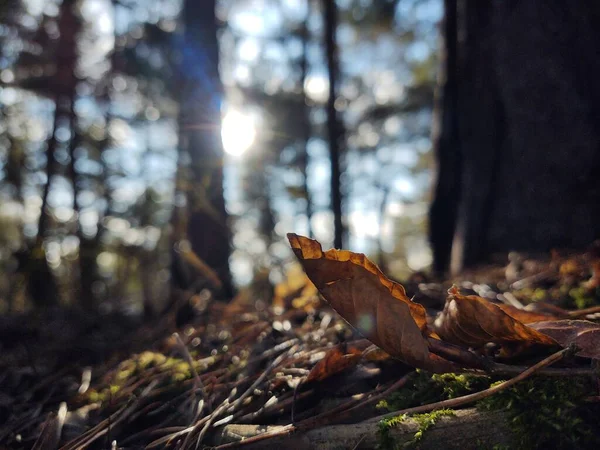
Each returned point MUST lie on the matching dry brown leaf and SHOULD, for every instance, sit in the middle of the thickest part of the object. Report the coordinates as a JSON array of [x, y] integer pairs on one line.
[[525, 316], [583, 333], [473, 321], [336, 360], [374, 353], [369, 301]]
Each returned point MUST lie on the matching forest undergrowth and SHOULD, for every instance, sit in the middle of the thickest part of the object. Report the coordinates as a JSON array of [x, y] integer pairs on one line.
[[249, 373]]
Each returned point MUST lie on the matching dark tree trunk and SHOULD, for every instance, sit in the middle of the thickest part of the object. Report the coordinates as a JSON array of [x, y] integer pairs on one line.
[[305, 124], [446, 145], [334, 127], [200, 121], [41, 285], [528, 112]]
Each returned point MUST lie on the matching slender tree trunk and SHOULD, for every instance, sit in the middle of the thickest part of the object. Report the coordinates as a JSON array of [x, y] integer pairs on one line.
[[200, 122], [306, 128], [334, 127], [443, 211], [62, 90], [41, 285], [51, 167], [528, 110]]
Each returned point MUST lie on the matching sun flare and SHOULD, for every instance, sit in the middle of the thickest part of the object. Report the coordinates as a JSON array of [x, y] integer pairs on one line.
[[238, 132]]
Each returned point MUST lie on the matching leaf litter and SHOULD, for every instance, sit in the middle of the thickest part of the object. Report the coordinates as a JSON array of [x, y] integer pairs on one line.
[[295, 364]]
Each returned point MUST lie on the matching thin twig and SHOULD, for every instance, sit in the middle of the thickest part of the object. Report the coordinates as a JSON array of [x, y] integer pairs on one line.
[[584, 312], [394, 387]]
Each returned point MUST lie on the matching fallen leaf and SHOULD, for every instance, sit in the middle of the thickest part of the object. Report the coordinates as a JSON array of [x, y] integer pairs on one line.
[[583, 333], [376, 306], [525, 316], [473, 321], [336, 360], [374, 353]]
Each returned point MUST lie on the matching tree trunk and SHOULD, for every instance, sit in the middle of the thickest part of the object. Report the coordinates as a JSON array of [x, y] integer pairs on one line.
[[528, 110], [334, 127], [41, 285], [305, 124], [200, 122], [445, 145]]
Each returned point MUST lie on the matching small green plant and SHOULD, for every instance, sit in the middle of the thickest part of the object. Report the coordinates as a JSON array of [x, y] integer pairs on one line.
[[424, 421], [583, 297], [426, 388], [386, 442]]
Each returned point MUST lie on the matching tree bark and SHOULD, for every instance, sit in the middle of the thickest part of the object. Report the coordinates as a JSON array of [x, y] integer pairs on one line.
[[41, 284], [334, 127], [200, 122], [444, 207], [305, 124], [528, 110]]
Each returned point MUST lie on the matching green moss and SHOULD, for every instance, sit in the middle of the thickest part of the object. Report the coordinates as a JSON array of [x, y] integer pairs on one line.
[[583, 297], [424, 421], [426, 388], [543, 412], [385, 440], [548, 413], [136, 367], [148, 359]]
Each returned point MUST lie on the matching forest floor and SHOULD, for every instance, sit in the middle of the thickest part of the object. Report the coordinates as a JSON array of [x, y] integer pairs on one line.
[[290, 373]]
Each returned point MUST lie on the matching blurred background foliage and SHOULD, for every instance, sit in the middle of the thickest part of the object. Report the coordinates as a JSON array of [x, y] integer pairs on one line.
[[96, 169]]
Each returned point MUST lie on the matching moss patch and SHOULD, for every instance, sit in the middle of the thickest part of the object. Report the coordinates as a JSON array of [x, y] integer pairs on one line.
[[426, 388], [542, 412], [548, 413], [143, 365], [424, 421]]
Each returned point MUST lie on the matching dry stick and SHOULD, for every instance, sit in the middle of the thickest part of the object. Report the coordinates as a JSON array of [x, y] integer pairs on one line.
[[394, 387], [584, 312], [527, 281], [197, 407], [344, 411], [260, 379], [188, 358], [452, 403], [208, 424], [278, 404], [231, 407], [94, 433]]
